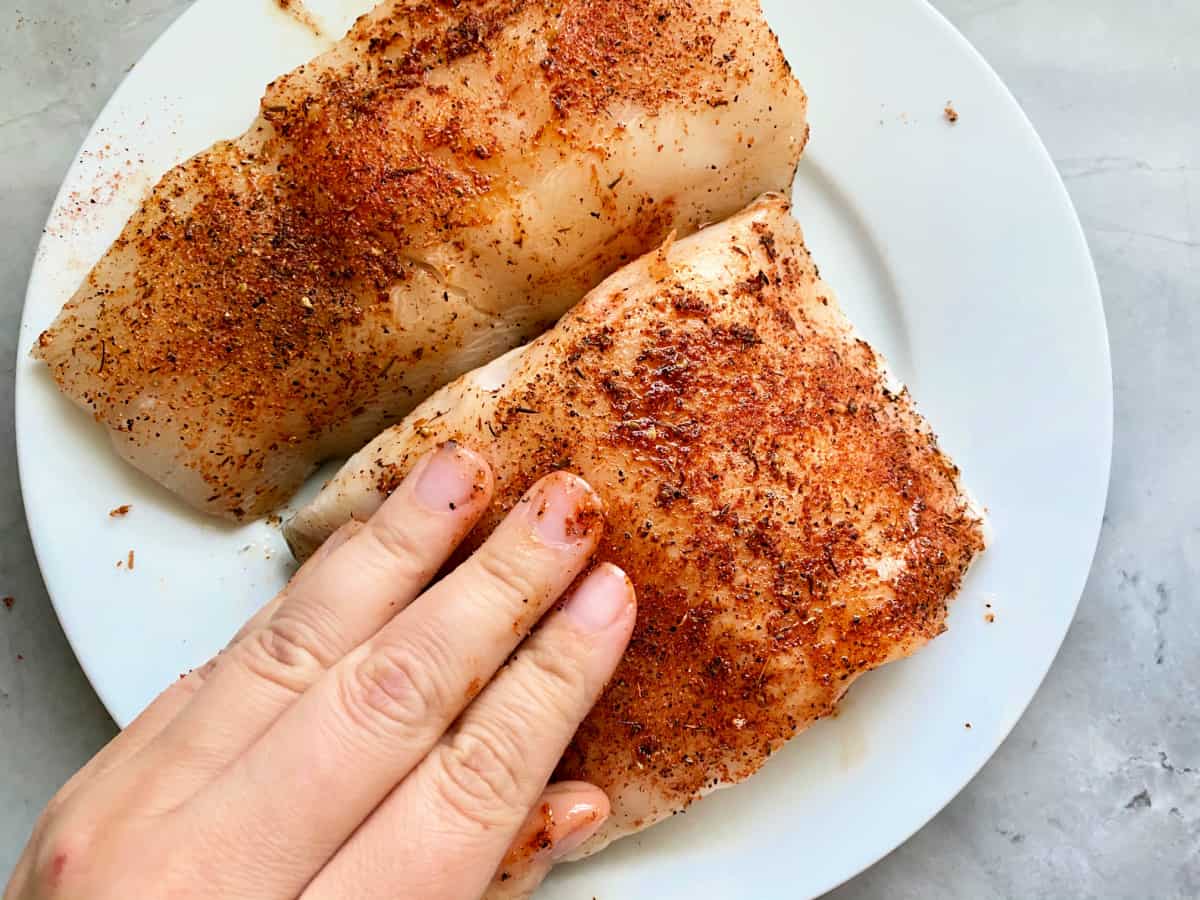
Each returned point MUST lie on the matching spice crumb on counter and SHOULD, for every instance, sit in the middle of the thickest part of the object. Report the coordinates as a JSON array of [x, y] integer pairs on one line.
[[120, 512], [9, 602], [951, 113]]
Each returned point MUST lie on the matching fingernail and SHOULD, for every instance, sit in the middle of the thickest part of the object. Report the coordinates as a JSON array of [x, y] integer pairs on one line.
[[566, 511], [450, 478], [601, 600], [586, 821]]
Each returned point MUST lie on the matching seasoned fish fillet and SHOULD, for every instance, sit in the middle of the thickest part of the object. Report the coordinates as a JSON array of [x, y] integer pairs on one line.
[[784, 512], [439, 187]]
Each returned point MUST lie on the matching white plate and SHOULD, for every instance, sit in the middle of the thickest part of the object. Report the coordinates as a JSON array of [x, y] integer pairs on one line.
[[955, 248]]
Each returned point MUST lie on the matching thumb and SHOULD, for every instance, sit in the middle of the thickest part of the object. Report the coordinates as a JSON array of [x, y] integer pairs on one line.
[[565, 816]]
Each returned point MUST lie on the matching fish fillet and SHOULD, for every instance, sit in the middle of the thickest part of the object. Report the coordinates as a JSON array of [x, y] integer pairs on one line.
[[439, 187], [783, 510]]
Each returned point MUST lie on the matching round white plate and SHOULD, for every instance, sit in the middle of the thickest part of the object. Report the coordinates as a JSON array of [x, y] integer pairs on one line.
[[954, 247]]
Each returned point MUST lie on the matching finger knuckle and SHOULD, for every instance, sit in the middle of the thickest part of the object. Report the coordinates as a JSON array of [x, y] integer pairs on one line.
[[394, 688], [285, 653], [508, 575], [75, 855], [66, 858], [405, 554], [558, 675], [480, 777]]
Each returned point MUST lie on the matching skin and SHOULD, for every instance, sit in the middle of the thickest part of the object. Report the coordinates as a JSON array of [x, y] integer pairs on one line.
[[367, 735]]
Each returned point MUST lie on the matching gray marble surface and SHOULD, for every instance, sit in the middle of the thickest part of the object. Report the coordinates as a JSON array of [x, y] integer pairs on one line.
[[1097, 792]]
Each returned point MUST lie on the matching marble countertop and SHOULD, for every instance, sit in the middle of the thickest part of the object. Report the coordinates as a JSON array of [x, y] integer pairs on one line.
[[1097, 792]]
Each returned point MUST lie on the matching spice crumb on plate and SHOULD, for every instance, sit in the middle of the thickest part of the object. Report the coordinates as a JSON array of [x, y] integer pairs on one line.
[[300, 13], [120, 512], [130, 561], [951, 113]]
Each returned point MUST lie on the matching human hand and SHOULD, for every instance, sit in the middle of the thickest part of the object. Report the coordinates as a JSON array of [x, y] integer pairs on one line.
[[363, 737]]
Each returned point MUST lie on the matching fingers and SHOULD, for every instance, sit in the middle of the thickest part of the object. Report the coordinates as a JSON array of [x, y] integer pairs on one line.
[[340, 599], [474, 790], [564, 818], [379, 711]]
